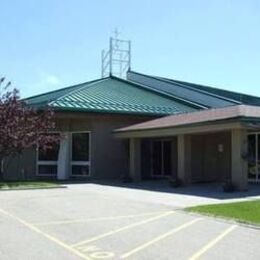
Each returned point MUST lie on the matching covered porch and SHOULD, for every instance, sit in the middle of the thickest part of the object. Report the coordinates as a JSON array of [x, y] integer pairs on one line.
[[216, 145]]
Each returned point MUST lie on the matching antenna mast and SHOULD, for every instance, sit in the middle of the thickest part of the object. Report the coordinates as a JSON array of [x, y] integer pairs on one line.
[[117, 60]]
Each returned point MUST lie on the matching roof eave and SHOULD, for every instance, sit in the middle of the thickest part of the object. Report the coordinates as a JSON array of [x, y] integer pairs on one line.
[[202, 127], [68, 109]]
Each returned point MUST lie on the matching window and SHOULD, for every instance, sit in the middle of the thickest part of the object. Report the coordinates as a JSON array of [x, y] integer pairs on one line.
[[47, 160], [80, 154], [253, 158], [161, 158]]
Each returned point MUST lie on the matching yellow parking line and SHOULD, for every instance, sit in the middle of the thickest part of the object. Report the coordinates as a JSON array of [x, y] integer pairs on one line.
[[123, 228], [157, 239], [213, 242], [37, 230], [96, 219]]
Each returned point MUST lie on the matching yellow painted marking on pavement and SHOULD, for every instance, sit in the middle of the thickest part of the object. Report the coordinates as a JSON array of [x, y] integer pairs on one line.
[[37, 230], [96, 219], [212, 243], [136, 224], [96, 252], [159, 238]]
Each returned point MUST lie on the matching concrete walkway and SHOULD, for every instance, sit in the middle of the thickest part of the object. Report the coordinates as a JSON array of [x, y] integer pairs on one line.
[[159, 192]]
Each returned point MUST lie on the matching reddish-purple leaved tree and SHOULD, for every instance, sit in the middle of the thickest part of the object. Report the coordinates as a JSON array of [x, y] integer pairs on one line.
[[22, 126]]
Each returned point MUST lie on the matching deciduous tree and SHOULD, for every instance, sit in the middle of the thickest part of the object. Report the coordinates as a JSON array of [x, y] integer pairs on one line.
[[22, 126]]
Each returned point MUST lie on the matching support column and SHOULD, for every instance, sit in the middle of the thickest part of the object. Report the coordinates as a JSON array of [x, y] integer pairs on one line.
[[63, 158], [239, 165], [135, 159], [184, 158]]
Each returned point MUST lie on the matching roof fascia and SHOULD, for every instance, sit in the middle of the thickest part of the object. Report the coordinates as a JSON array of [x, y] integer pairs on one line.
[[206, 127]]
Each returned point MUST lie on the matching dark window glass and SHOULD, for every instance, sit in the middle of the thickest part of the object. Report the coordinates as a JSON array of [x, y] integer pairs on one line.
[[146, 158], [81, 170], [80, 147], [252, 156], [50, 154], [258, 156], [157, 157], [167, 161], [47, 169]]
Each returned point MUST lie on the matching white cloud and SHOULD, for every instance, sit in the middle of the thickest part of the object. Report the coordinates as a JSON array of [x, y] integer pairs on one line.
[[44, 81], [52, 80], [48, 78]]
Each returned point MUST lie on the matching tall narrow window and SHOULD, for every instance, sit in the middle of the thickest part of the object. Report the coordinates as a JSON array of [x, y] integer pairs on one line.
[[80, 154], [157, 158], [258, 158], [253, 157], [167, 156], [47, 160], [161, 158]]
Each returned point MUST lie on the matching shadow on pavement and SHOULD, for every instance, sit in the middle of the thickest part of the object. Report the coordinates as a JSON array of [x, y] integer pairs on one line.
[[208, 190]]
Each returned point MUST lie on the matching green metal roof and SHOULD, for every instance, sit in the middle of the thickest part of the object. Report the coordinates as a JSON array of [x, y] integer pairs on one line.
[[240, 97], [110, 95], [208, 97], [174, 89]]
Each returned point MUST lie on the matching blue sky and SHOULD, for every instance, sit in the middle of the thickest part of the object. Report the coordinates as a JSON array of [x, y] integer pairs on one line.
[[49, 44]]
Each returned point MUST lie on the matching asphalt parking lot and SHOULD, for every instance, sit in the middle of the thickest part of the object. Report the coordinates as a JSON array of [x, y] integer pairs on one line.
[[84, 222]]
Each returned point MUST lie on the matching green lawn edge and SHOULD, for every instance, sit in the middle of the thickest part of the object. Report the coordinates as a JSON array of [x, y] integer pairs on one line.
[[247, 212], [23, 185]]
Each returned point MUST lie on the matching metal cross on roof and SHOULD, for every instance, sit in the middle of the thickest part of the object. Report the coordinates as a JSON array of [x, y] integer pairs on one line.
[[116, 33]]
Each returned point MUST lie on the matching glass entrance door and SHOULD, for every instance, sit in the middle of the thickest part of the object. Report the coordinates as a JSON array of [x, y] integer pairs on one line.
[[253, 157], [161, 158]]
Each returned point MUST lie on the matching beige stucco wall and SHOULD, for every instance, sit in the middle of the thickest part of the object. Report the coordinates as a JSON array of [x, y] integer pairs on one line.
[[207, 162], [109, 158]]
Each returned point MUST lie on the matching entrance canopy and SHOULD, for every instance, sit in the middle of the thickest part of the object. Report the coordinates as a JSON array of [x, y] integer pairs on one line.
[[208, 145], [219, 119]]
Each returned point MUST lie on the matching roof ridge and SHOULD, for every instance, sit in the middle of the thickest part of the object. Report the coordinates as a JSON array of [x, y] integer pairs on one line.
[[61, 89], [89, 85], [187, 87], [162, 93]]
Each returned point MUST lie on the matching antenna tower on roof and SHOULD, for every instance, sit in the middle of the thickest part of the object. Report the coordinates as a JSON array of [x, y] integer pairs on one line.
[[117, 60]]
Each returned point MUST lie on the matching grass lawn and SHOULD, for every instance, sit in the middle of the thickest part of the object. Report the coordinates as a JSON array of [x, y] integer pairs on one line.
[[246, 212], [9, 185]]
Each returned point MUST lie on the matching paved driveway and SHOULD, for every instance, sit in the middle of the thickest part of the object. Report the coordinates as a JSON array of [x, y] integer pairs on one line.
[[91, 221]]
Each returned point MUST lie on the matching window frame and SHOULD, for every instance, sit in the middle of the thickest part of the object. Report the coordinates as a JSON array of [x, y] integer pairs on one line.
[[81, 163], [51, 163]]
